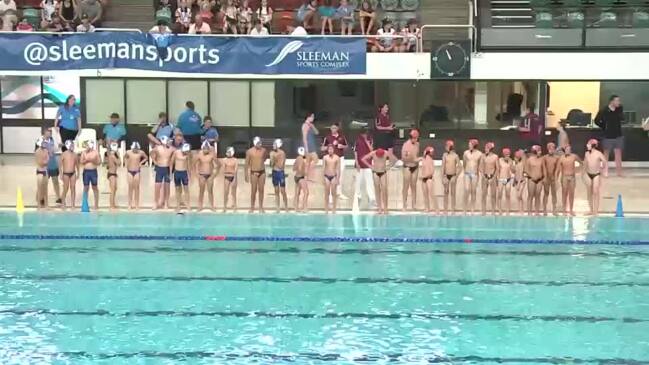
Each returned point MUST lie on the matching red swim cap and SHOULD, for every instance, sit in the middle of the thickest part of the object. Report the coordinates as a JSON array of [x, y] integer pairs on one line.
[[450, 143], [519, 153], [380, 152], [429, 151], [489, 146], [536, 148], [474, 142], [507, 151], [593, 142], [414, 133]]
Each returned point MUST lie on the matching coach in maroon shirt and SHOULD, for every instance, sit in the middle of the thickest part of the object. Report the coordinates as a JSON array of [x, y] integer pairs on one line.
[[336, 139], [362, 147]]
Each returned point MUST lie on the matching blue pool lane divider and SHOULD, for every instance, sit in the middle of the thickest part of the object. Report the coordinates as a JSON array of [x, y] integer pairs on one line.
[[332, 239]]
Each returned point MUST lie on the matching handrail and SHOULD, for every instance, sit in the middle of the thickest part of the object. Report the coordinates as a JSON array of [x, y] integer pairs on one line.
[[471, 27], [118, 30]]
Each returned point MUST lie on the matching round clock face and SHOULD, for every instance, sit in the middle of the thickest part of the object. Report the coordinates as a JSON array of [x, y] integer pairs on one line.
[[450, 59]]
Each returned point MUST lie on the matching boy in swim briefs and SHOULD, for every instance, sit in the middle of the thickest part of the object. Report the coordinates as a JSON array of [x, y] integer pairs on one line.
[[489, 169], [428, 180], [134, 159], [112, 163], [505, 177], [378, 160], [331, 169], [41, 157], [230, 166], [301, 186], [450, 170], [69, 167], [471, 165]]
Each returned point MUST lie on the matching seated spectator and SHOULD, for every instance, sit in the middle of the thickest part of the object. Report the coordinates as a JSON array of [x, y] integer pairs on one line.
[[345, 13], [24, 26], [164, 4], [245, 17], [411, 34], [230, 24], [387, 41], [296, 30], [8, 13], [55, 25], [259, 29], [367, 16], [114, 131], [205, 9], [210, 133], [327, 13], [306, 13], [85, 26], [160, 28], [91, 8], [68, 13], [163, 128], [199, 26], [265, 14], [183, 16], [48, 10]]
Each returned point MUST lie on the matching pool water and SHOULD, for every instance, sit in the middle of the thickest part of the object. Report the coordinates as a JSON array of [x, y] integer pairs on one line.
[[91, 299]]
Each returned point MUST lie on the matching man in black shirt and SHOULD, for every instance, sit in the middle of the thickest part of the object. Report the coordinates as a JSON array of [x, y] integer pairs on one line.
[[610, 120]]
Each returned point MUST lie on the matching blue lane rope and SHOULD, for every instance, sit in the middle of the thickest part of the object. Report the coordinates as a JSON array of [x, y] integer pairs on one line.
[[335, 239]]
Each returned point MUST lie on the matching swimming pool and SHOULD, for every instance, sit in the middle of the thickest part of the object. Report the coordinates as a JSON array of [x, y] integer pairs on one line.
[[316, 289]]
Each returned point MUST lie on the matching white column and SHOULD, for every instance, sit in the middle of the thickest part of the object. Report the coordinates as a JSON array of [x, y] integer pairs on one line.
[[480, 103]]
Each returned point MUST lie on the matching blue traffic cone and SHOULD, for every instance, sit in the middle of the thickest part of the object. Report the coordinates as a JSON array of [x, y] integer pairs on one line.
[[619, 211], [85, 208]]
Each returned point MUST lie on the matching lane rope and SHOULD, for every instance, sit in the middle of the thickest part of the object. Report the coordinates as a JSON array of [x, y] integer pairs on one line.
[[329, 239]]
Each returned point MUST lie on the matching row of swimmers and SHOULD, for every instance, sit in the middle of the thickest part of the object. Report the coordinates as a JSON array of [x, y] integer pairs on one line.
[[533, 177]]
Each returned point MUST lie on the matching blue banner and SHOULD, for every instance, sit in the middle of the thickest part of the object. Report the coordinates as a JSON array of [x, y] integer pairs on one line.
[[184, 53]]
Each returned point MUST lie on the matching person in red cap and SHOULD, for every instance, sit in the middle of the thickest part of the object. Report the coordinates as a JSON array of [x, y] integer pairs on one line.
[[567, 170], [535, 170], [551, 162], [594, 165], [378, 159], [471, 164], [410, 158], [428, 179], [450, 169], [505, 174], [489, 170], [520, 181]]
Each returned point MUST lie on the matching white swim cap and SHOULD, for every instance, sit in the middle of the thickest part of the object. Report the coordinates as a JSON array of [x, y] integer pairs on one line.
[[41, 142], [229, 152], [301, 151], [206, 145], [69, 144], [277, 144], [90, 144], [135, 146], [186, 147], [256, 141], [164, 140], [114, 146]]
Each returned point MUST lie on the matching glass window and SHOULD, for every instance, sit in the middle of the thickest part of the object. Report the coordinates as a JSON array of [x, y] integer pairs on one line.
[[144, 100], [230, 103], [56, 90], [182, 91], [103, 97], [21, 97], [263, 103]]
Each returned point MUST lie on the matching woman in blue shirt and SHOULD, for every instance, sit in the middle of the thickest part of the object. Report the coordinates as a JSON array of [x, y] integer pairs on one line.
[[68, 120]]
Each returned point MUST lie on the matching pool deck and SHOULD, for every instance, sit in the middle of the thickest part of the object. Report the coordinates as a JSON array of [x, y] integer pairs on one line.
[[17, 171]]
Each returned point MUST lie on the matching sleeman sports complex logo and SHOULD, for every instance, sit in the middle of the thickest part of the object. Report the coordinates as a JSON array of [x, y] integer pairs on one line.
[[290, 47], [330, 60]]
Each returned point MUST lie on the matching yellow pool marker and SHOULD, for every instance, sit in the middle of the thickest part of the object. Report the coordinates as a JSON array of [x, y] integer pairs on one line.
[[20, 206]]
